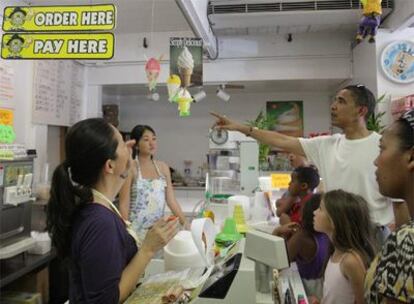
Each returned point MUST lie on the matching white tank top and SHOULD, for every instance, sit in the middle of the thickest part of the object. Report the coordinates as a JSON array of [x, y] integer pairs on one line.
[[336, 287]]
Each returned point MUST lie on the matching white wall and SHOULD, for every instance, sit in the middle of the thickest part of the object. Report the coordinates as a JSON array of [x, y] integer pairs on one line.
[[32, 136], [182, 139], [364, 66], [400, 17], [386, 86], [242, 58]]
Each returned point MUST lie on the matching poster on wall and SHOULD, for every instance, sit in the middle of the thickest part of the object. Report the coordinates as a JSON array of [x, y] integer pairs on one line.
[[186, 60], [7, 85], [288, 116]]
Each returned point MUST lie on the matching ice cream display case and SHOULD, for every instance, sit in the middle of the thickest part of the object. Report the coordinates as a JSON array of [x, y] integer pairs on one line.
[[233, 161]]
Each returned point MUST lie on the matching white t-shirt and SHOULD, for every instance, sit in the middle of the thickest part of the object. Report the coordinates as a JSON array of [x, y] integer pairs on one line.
[[349, 165]]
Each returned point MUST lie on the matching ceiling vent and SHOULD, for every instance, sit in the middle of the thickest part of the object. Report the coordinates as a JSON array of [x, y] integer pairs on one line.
[[258, 16], [278, 6]]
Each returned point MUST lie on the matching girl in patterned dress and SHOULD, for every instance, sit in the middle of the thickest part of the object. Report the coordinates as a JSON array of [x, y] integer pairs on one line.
[[143, 197], [390, 278]]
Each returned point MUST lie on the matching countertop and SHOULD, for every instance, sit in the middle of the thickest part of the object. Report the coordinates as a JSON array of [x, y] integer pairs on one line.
[[189, 188]]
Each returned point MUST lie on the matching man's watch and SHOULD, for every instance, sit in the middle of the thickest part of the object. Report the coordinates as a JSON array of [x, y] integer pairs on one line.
[[251, 129]]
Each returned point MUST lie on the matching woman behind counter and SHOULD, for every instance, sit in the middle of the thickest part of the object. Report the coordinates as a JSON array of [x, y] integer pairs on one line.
[[144, 195], [86, 228]]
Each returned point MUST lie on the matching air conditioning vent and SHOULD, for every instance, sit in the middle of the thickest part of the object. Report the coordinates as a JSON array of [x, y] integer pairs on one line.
[[298, 6], [320, 5]]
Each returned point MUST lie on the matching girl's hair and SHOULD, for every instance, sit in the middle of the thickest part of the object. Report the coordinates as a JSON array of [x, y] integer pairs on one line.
[[405, 131], [137, 133], [353, 229], [88, 145], [307, 213]]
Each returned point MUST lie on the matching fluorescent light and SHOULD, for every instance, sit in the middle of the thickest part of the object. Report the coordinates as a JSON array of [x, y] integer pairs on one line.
[[195, 12]]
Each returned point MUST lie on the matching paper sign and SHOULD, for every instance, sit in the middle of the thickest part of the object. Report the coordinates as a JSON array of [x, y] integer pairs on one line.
[[58, 46], [280, 180], [59, 18], [6, 117], [7, 134]]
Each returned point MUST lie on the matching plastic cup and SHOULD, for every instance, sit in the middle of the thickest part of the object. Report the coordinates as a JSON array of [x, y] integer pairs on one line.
[[230, 226]]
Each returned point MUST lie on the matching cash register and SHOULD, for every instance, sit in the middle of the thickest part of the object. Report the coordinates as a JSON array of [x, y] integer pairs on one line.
[[15, 206]]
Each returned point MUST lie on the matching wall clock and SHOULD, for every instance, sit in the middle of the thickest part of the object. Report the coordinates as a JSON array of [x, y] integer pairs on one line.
[[397, 61]]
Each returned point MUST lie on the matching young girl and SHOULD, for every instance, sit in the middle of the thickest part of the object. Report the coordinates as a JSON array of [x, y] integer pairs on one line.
[[310, 249], [344, 217], [146, 193]]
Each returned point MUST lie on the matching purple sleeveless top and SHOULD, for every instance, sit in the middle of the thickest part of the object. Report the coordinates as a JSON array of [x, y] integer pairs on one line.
[[313, 269]]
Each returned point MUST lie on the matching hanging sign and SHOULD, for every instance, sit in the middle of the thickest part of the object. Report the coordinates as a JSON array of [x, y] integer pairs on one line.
[[186, 60], [59, 18], [58, 46]]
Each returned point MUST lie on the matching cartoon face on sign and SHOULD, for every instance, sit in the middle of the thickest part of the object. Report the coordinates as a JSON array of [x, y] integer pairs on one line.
[[15, 45], [18, 17]]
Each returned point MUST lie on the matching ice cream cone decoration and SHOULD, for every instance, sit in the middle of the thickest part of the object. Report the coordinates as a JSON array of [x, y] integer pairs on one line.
[[184, 100], [173, 85], [152, 69], [185, 64]]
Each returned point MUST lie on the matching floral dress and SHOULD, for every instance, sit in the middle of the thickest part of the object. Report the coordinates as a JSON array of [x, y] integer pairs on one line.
[[147, 201]]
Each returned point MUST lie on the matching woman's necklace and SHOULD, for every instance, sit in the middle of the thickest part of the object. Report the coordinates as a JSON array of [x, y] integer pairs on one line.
[[128, 225]]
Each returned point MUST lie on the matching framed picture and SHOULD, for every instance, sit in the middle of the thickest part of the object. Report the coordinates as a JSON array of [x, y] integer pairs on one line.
[[288, 116]]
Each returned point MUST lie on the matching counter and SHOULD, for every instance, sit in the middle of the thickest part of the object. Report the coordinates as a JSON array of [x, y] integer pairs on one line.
[[16, 267]]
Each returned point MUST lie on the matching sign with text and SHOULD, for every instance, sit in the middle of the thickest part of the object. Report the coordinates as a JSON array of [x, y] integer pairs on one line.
[[59, 18], [280, 180], [186, 60], [6, 117], [58, 46]]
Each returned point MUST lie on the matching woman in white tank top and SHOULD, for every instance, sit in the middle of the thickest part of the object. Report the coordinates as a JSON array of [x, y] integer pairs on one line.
[[337, 287], [344, 217], [146, 193]]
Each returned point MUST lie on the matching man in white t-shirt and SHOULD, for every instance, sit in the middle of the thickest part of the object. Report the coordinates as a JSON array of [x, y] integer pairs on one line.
[[345, 161]]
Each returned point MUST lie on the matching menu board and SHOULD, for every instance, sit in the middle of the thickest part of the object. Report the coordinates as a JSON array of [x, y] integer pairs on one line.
[[57, 92]]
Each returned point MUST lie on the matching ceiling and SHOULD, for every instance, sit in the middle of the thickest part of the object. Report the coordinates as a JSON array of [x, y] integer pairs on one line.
[[249, 87], [143, 16]]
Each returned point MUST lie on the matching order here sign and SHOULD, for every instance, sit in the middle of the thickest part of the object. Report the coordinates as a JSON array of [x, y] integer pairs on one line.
[[59, 18]]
